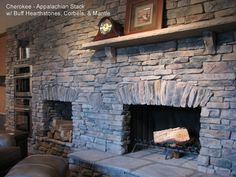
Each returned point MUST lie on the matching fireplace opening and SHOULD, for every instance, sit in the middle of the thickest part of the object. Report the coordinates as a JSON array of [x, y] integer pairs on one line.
[[58, 123], [147, 119]]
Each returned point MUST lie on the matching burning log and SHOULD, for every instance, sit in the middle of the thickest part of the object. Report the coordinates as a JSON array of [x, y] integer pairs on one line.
[[176, 135]]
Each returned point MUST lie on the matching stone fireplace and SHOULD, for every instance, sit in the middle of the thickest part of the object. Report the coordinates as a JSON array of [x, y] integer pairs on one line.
[[158, 105], [56, 135], [193, 72]]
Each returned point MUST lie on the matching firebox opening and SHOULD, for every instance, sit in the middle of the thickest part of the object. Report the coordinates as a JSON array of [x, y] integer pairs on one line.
[[58, 123], [145, 119], [58, 110]]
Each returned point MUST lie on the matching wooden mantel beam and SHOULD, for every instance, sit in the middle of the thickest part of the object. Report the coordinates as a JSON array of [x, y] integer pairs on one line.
[[166, 34]]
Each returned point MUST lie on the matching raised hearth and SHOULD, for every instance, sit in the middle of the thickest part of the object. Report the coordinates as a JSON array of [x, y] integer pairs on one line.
[[146, 163]]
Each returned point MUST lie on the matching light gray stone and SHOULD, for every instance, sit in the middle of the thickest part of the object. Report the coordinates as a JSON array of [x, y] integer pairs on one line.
[[165, 61], [144, 73], [149, 92], [147, 78], [211, 152], [190, 43], [216, 5], [159, 170], [182, 3], [184, 99], [169, 77], [163, 92], [181, 60], [138, 58], [206, 98], [219, 67], [153, 68], [90, 155], [176, 54], [214, 112], [185, 11], [203, 160], [127, 89], [218, 134], [199, 97], [141, 92], [130, 69], [156, 55], [218, 105], [187, 71], [180, 86], [157, 91], [198, 59], [228, 114], [229, 57], [170, 90], [210, 142], [225, 12], [123, 163], [205, 112], [162, 72], [192, 96], [95, 99], [213, 57], [210, 77], [136, 93], [224, 49], [210, 120], [225, 94], [222, 171], [150, 63], [122, 94], [171, 4], [233, 136], [63, 51], [199, 17], [175, 66]]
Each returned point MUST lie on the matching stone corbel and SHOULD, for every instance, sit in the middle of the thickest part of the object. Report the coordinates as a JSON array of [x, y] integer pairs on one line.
[[110, 52], [209, 42]]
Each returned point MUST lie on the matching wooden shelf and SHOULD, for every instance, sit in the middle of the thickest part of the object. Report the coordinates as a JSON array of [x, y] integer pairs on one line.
[[165, 34]]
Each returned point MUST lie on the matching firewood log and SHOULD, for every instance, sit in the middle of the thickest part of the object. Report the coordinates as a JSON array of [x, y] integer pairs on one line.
[[176, 135]]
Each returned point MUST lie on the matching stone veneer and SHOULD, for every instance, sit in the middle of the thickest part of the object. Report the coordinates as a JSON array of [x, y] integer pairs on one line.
[[177, 73]]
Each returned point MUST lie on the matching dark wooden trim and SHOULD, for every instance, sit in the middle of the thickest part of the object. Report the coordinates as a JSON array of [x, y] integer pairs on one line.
[[2, 80], [3, 34]]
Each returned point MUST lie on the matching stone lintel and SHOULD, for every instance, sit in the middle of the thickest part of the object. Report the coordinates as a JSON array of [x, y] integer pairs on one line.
[[182, 94]]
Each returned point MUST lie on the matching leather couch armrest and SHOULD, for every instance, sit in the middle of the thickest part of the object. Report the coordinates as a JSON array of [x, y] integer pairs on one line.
[[9, 156]]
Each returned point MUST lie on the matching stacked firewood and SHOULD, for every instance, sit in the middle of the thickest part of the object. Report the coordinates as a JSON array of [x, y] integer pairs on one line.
[[61, 130]]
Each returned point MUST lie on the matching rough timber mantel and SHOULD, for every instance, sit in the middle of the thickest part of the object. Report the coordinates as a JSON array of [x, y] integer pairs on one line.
[[165, 34]]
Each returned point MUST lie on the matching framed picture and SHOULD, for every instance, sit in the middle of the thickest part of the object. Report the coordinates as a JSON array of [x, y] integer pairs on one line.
[[143, 15]]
